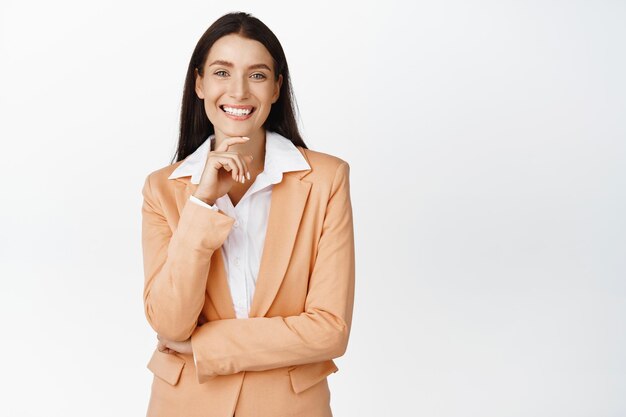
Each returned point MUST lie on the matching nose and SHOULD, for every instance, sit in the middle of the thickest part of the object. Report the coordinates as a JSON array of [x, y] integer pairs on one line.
[[238, 88]]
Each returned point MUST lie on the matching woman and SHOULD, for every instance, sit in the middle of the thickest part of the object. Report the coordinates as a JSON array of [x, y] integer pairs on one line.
[[248, 243]]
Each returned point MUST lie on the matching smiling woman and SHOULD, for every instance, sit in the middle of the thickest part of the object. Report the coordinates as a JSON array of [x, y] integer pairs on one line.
[[248, 243]]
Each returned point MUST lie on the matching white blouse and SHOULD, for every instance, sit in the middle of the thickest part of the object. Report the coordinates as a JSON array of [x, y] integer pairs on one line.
[[243, 247]]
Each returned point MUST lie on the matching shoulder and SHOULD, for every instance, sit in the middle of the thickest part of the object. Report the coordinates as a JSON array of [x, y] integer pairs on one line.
[[328, 174], [324, 166], [156, 180]]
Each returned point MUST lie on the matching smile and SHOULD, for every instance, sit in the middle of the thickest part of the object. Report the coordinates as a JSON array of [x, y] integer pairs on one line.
[[239, 112]]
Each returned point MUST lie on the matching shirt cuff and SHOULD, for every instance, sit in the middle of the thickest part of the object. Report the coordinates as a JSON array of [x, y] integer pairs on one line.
[[203, 204]]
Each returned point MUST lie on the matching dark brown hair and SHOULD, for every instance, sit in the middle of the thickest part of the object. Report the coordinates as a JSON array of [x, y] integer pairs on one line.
[[195, 126]]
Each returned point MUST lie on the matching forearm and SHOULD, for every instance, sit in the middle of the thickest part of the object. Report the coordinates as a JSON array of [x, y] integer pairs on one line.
[[230, 346]]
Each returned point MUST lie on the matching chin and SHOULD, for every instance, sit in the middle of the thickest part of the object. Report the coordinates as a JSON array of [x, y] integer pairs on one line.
[[242, 131], [237, 133]]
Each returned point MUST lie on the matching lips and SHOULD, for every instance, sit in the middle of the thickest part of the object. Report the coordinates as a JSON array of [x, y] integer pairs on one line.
[[238, 113]]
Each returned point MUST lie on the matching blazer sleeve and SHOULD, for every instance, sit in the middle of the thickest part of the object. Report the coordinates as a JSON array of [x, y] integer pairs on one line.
[[177, 262], [320, 333]]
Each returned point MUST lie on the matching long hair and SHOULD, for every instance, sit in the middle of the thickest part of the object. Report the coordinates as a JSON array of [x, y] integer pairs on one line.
[[195, 126]]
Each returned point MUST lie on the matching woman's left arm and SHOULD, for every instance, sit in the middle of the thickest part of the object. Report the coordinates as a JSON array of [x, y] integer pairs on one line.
[[320, 333]]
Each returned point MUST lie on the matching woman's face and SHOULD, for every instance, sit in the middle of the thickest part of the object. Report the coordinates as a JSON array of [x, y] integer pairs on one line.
[[238, 74]]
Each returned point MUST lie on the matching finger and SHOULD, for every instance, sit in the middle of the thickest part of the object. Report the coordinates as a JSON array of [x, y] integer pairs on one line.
[[246, 168], [229, 141], [230, 161], [241, 164], [226, 162], [241, 171], [248, 161]]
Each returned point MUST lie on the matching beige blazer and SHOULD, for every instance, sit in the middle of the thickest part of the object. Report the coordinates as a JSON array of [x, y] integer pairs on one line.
[[274, 363]]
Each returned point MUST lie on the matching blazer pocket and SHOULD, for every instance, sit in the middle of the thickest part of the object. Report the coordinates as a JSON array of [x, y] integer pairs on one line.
[[307, 375], [167, 366]]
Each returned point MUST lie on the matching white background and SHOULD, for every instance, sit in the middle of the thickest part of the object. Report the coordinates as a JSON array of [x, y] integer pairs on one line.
[[487, 148]]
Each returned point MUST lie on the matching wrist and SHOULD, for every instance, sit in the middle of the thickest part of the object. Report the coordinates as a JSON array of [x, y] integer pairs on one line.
[[205, 199]]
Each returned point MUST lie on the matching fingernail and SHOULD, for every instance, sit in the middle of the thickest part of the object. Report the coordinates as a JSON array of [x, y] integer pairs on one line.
[[245, 137], [248, 173]]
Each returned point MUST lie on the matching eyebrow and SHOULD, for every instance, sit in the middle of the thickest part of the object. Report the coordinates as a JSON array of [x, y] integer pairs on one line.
[[230, 64]]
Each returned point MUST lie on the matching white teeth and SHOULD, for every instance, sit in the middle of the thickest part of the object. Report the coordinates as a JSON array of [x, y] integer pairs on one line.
[[237, 112]]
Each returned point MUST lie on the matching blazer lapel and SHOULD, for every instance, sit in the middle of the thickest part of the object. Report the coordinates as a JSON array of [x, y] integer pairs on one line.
[[286, 209], [287, 206]]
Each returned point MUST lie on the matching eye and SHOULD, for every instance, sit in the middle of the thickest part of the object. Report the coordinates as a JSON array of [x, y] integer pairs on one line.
[[217, 72], [262, 76]]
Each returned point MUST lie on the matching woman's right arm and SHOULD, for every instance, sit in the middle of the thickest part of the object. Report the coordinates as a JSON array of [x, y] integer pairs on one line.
[[176, 263]]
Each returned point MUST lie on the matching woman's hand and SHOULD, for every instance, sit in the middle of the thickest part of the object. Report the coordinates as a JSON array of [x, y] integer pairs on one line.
[[215, 181], [170, 346]]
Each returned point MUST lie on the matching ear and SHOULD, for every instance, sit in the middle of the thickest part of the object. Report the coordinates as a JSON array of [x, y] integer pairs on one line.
[[198, 84], [279, 83]]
